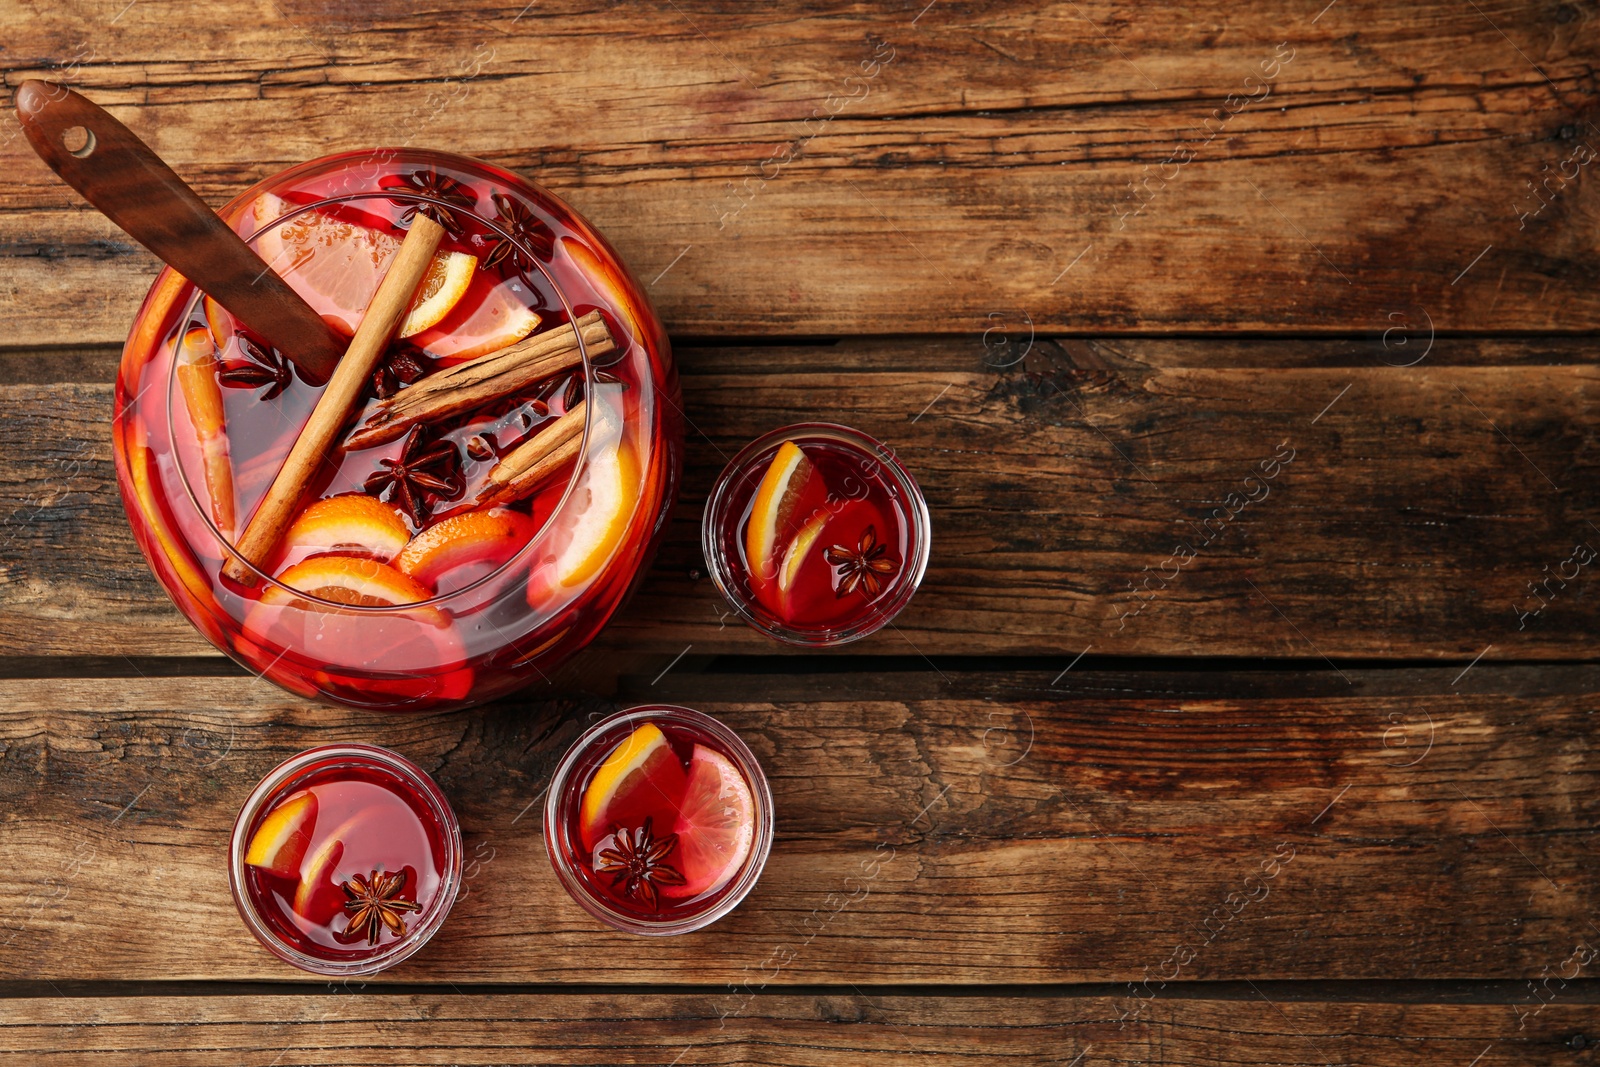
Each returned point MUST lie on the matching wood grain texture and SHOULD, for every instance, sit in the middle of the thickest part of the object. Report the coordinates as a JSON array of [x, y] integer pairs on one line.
[[1029, 827], [814, 1031], [1430, 510], [829, 168]]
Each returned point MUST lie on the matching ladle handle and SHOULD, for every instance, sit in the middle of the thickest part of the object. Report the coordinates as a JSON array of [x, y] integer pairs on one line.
[[129, 183]]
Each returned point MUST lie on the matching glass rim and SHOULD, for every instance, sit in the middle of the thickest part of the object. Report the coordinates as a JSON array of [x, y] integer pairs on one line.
[[449, 880], [441, 599], [881, 612], [557, 807]]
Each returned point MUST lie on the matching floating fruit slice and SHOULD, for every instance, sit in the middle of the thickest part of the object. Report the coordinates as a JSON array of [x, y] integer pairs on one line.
[[816, 592], [144, 472], [281, 841], [479, 540], [318, 898], [349, 523], [221, 323], [351, 580], [789, 493], [716, 825], [487, 319], [442, 289], [196, 368], [642, 775], [596, 516], [336, 264], [617, 292], [798, 552]]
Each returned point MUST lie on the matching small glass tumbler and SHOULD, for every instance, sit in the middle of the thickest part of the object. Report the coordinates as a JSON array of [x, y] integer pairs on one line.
[[816, 534], [701, 844], [371, 815]]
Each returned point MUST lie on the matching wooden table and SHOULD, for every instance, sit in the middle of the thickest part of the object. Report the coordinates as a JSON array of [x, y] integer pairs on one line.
[[1246, 714]]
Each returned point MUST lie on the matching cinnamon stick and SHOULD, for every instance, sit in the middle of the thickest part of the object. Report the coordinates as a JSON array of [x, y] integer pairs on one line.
[[521, 470], [339, 399], [465, 386]]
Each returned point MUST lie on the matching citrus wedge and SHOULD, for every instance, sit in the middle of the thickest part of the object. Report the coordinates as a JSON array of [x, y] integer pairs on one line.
[[336, 265], [281, 841], [596, 515], [442, 289], [640, 776], [788, 494], [799, 551], [474, 543], [196, 369], [716, 825], [490, 317], [144, 471], [349, 524], [349, 580], [318, 897], [222, 325]]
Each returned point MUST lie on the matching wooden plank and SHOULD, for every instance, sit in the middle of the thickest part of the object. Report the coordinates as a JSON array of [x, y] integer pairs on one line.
[[825, 168], [932, 828], [849, 1027], [1431, 510]]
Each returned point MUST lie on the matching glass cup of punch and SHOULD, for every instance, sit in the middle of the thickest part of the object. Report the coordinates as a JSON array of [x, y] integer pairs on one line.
[[816, 534]]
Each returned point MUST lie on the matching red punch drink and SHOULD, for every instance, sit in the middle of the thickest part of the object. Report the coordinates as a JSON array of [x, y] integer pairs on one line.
[[816, 534], [658, 820], [498, 488], [345, 860]]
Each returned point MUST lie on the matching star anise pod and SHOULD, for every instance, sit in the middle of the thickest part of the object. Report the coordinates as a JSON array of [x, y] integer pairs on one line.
[[435, 186], [639, 865], [374, 903], [420, 472], [261, 366], [859, 567], [527, 230], [401, 368]]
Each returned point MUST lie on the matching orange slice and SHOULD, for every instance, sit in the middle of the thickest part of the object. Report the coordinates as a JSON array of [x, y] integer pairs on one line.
[[481, 540], [221, 323], [611, 285], [596, 515], [442, 289], [144, 471], [348, 524], [799, 549], [318, 897], [196, 369], [789, 492], [490, 317], [281, 841], [349, 580], [642, 775], [336, 266], [716, 825]]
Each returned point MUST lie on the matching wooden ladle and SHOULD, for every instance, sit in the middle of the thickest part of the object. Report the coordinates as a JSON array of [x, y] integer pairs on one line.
[[120, 174]]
